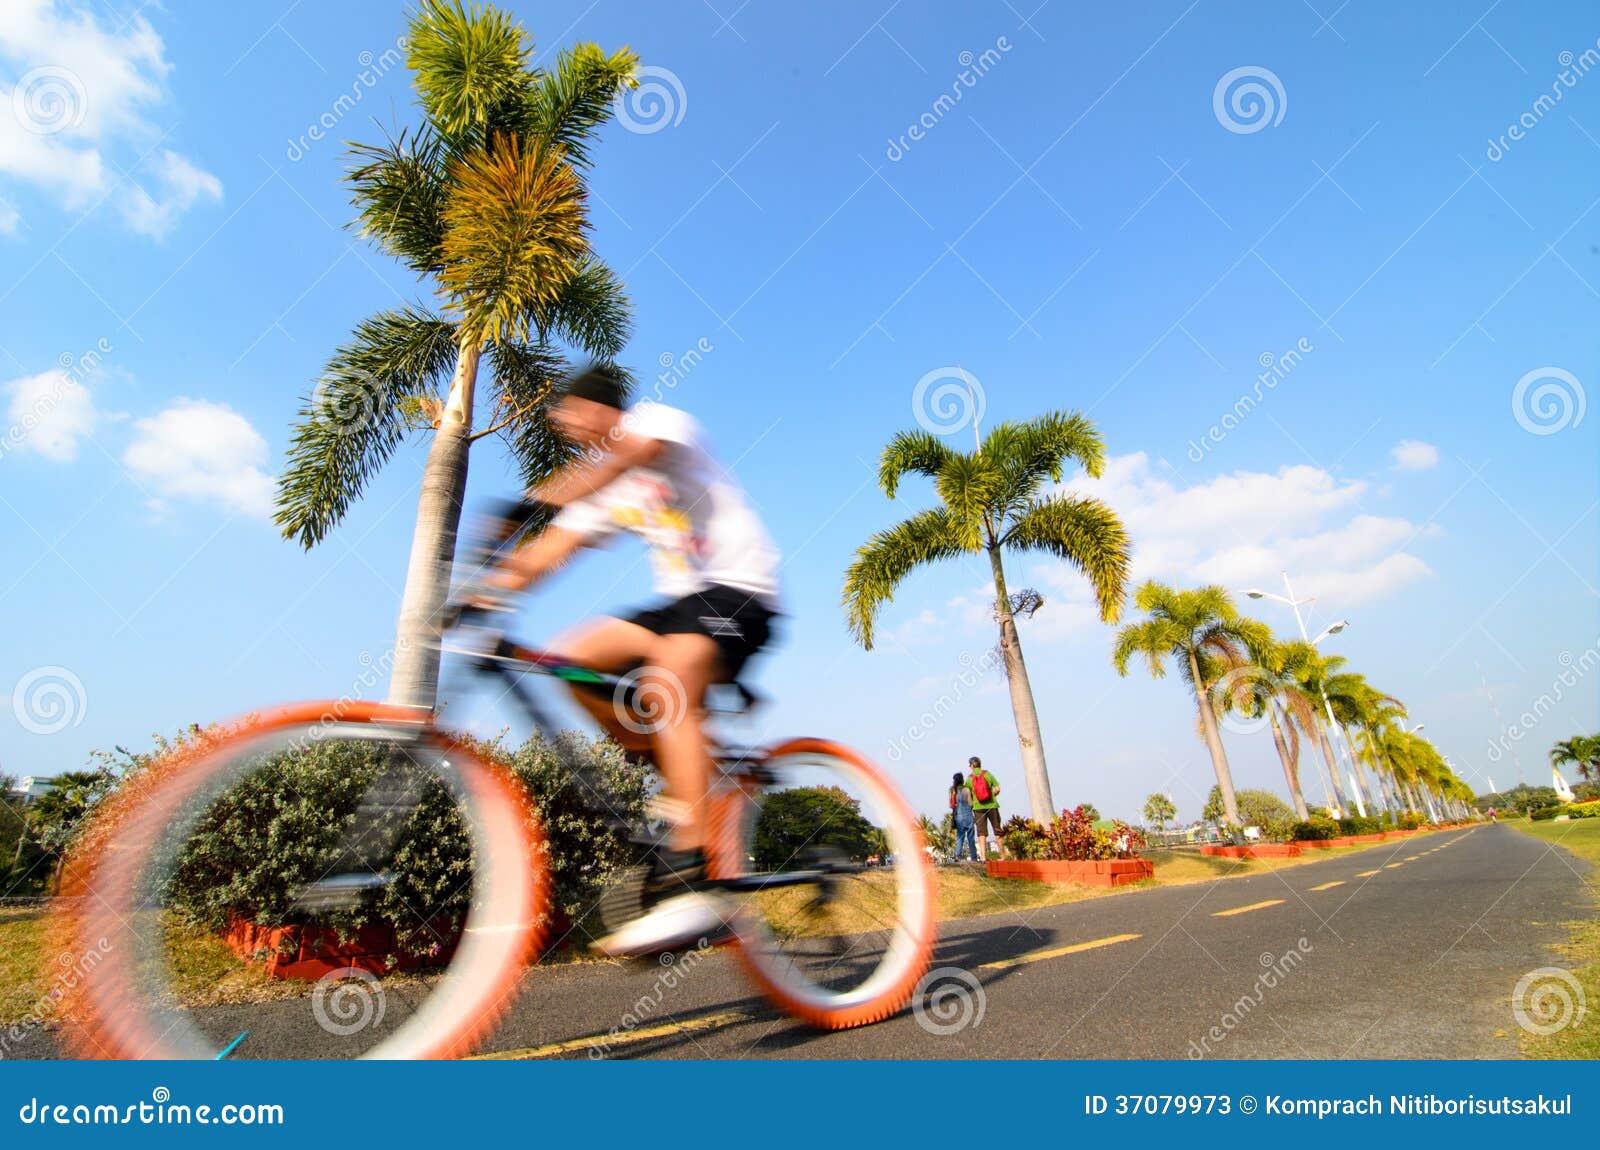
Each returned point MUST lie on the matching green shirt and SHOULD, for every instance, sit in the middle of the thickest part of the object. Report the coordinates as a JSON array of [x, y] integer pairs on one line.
[[994, 794]]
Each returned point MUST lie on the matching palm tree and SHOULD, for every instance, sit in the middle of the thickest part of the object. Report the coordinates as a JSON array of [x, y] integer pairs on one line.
[[1205, 634], [1354, 702], [486, 201], [1265, 685], [1584, 750], [1311, 670], [993, 500]]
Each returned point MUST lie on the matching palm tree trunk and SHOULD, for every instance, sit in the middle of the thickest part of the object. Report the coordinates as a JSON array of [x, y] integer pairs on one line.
[[414, 680], [1333, 768], [1213, 737], [1291, 772], [1029, 740]]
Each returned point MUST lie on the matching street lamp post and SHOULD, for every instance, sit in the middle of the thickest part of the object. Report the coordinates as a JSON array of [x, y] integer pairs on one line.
[[1336, 798]]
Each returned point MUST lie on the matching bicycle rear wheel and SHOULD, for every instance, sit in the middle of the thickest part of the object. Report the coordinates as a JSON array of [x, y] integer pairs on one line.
[[836, 914], [139, 884]]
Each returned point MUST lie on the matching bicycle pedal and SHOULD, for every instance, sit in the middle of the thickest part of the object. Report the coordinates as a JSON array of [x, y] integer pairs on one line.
[[337, 892]]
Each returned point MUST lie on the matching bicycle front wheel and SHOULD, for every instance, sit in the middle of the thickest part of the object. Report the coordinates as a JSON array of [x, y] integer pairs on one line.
[[836, 893], [340, 842]]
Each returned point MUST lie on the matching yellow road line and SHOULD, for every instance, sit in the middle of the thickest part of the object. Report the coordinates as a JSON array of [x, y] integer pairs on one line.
[[621, 1038], [1391, 866], [1057, 952], [1366, 874], [1329, 885], [1243, 909], [1412, 858]]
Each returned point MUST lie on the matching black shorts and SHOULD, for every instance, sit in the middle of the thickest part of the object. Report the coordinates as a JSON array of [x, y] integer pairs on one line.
[[736, 621]]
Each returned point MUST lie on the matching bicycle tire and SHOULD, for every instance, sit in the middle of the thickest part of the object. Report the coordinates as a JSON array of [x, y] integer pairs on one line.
[[891, 985], [506, 925]]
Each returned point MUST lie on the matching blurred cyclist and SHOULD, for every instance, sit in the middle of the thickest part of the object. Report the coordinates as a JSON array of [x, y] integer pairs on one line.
[[646, 470]]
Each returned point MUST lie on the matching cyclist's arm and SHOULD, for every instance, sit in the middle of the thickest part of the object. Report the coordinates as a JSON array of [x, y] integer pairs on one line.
[[580, 480], [554, 546]]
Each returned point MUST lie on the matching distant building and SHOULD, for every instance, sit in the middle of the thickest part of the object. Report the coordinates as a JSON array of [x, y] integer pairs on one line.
[[34, 786]]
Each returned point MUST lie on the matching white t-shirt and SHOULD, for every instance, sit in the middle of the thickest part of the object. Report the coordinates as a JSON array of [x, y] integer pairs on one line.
[[687, 509]]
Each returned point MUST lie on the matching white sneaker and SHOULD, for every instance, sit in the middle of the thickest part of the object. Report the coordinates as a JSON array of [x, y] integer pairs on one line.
[[672, 923]]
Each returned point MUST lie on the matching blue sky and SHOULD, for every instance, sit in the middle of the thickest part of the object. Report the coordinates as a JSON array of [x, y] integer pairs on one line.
[[1094, 225]]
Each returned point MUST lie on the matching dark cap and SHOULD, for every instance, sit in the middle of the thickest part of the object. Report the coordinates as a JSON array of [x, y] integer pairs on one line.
[[599, 383]]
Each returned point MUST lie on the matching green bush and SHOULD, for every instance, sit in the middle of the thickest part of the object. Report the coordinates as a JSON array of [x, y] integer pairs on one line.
[[282, 826], [1023, 838], [1411, 822], [1356, 825], [1314, 830], [1545, 813]]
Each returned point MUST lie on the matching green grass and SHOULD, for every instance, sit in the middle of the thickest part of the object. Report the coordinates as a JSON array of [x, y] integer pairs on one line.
[[1581, 952]]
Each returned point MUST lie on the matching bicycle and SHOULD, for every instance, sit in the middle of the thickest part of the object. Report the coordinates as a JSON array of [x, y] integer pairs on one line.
[[828, 939]]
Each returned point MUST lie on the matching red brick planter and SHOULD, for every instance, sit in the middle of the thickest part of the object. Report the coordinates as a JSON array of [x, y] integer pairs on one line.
[[1097, 872], [1254, 851], [310, 951]]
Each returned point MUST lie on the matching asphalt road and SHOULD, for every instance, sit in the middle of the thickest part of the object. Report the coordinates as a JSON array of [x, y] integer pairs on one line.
[[1408, 949]]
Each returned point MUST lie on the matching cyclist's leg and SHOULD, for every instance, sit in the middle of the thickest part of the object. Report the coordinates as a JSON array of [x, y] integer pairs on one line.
[[679, 669], [614, 646]]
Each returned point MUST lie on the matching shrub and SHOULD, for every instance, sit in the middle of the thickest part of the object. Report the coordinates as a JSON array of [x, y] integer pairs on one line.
[[1545, 813], [1314, 830], [282, 826], [1356, 825], [1023, 838], [1412, 822], [1073, 837]]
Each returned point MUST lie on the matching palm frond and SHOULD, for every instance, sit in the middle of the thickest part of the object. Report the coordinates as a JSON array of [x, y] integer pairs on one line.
[[515, 231], [912, 452], [1085, 533], [468, 63], [524, 376], [574, 97], [398, 188], [1155, 639], [355, 417], [1039, 449], [967, 486], [887, 558], [589, 310]]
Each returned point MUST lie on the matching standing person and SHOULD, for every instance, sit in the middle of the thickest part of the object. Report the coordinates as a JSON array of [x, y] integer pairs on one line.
[[961, 810], [985, 806]]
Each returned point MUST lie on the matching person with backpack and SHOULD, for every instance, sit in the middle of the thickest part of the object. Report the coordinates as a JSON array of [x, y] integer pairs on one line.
[[985, 806], [961, 813]]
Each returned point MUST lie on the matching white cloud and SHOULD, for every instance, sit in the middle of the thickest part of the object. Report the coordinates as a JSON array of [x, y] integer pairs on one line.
[[1245, 528], [204, 452], [80, 95], [48, 413], [1414, 455]]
